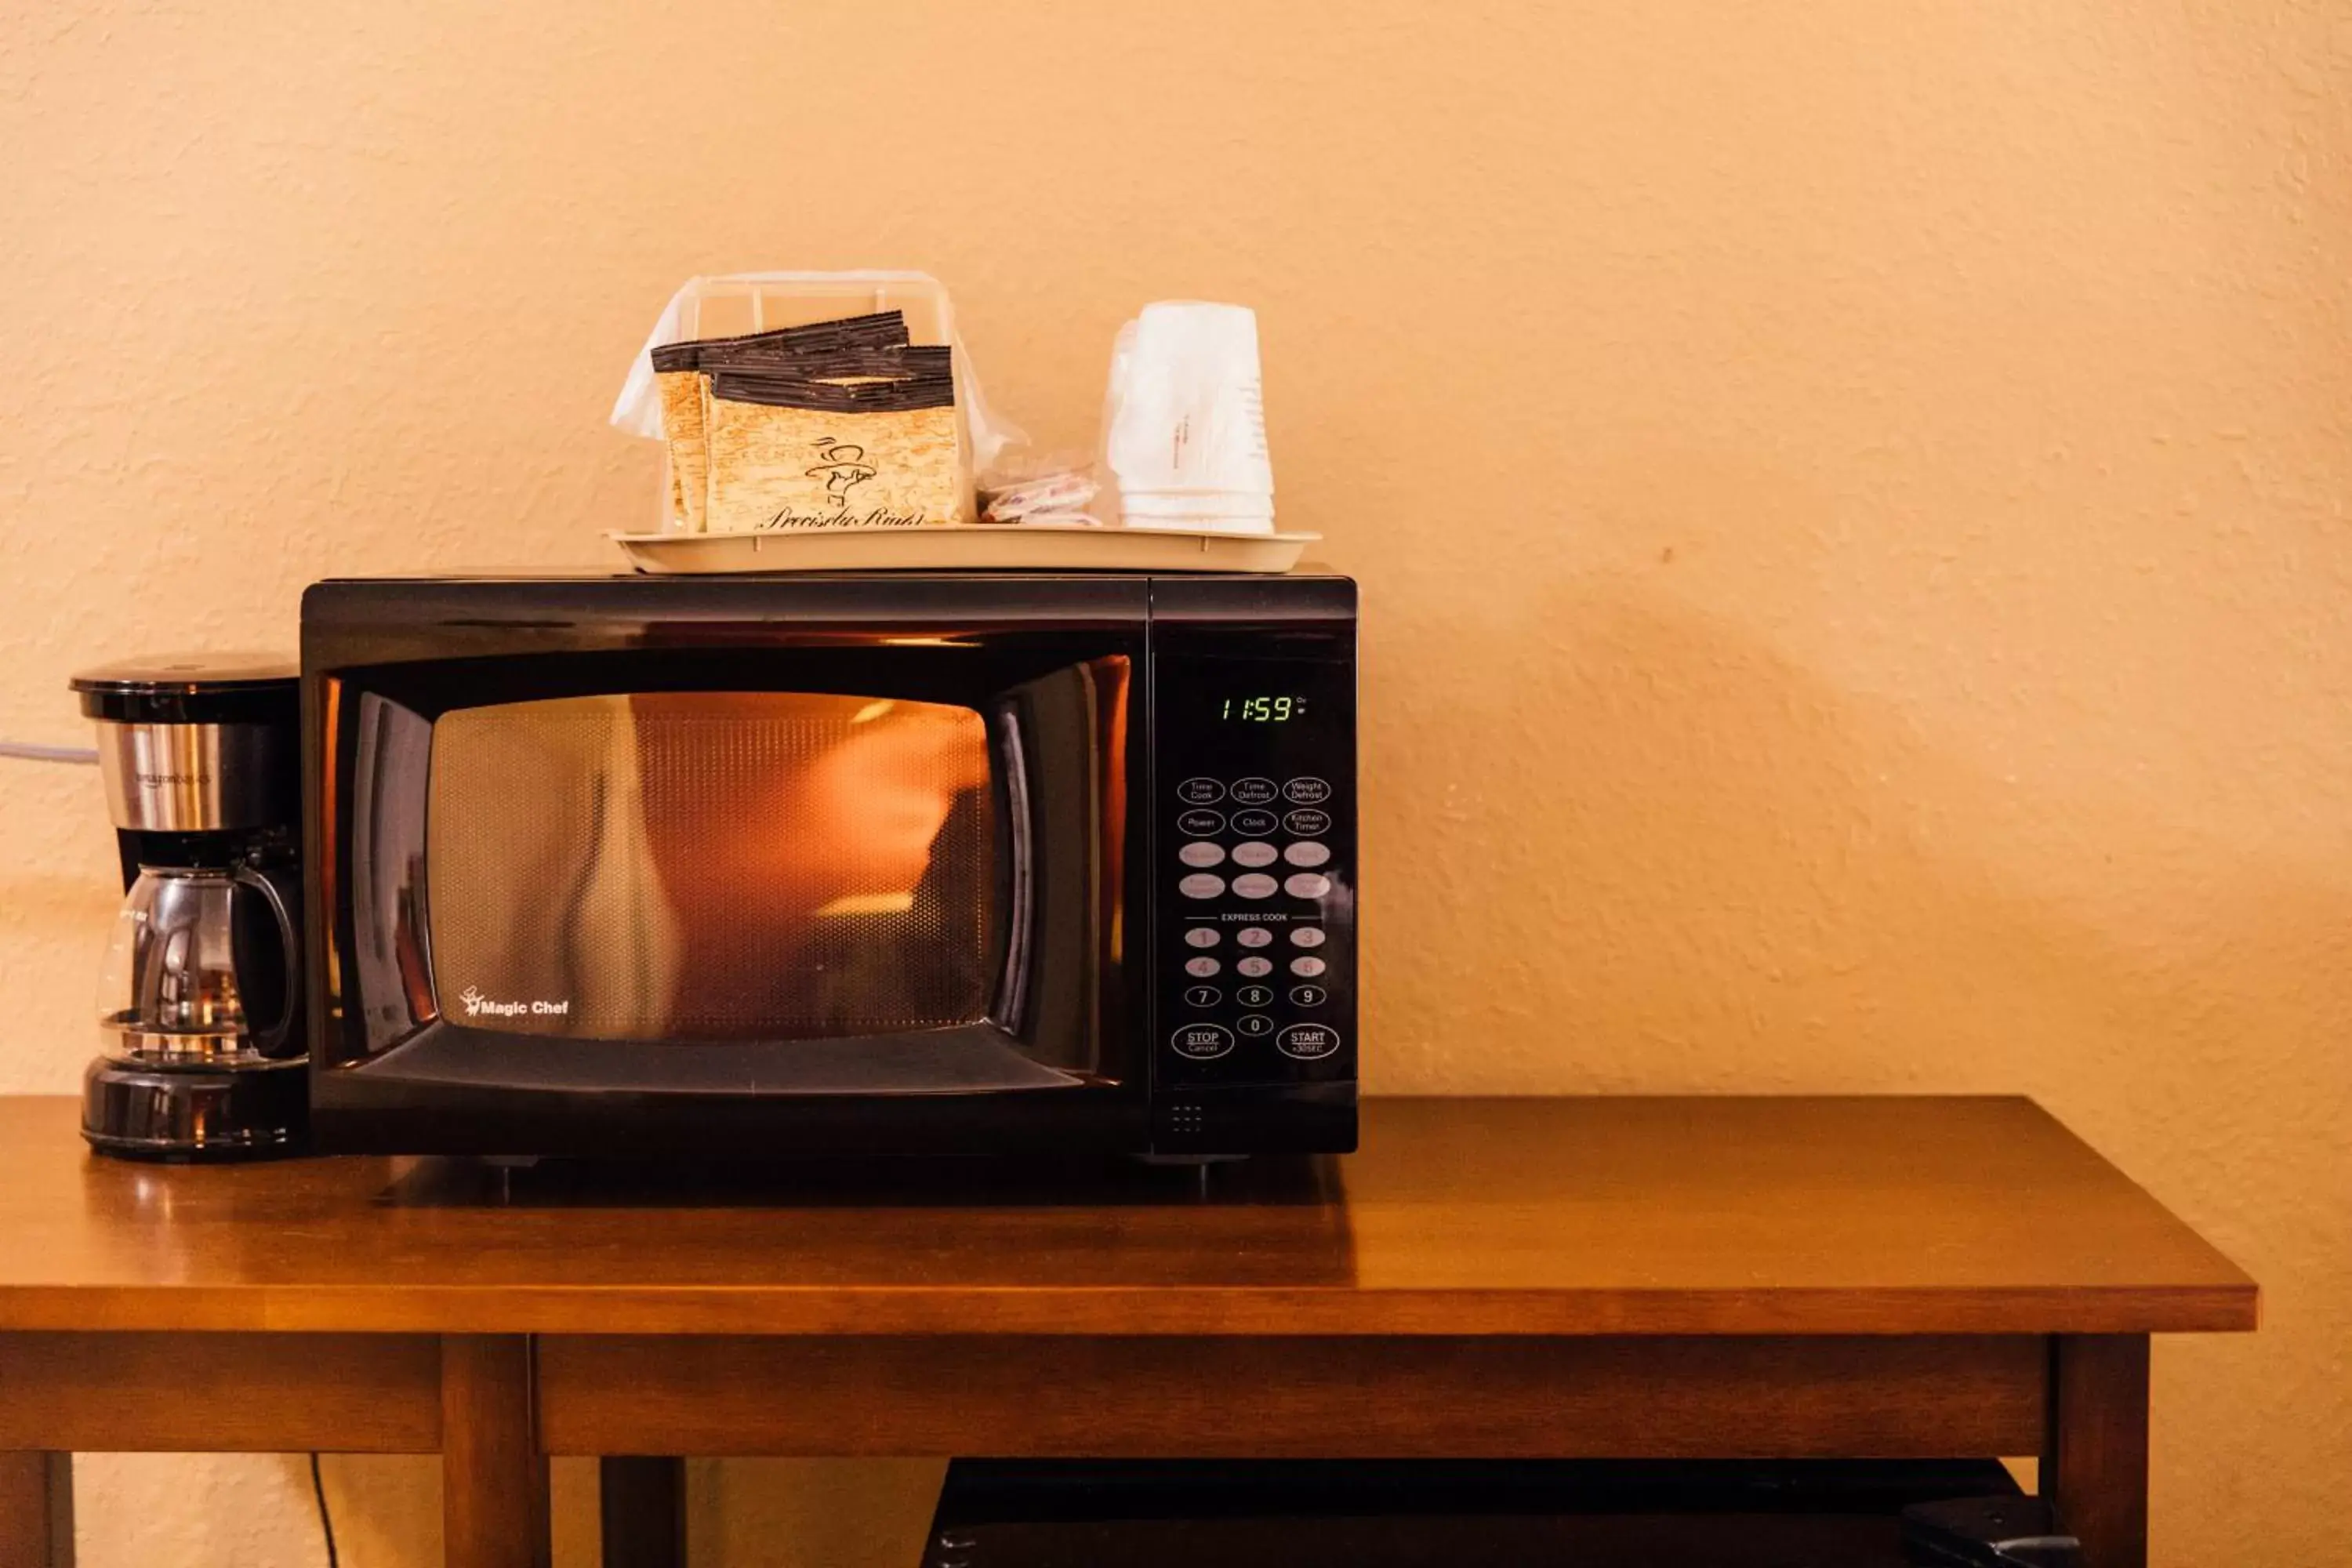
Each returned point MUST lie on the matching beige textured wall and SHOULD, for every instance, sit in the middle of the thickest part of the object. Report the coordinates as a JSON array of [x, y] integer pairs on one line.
[[1851, 498]]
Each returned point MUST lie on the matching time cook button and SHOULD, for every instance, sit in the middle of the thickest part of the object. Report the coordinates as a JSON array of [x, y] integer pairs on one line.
[[1200, 792], [1203, 1042], [1308, 1042]]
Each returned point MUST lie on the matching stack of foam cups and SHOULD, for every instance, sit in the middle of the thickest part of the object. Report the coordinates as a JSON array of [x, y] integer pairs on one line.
[[1184, 420]]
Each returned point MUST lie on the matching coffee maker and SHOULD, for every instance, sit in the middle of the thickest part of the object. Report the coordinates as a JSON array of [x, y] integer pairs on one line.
[[200, 998]]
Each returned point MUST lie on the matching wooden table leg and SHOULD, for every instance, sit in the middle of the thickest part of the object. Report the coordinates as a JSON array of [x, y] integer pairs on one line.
[[493, 1477], [642, 1501], [2095, 1463], [35, 1510]]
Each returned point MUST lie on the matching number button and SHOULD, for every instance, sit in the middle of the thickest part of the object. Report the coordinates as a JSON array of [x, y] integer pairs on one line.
[[1254, 792], [1206, 936], [1200, 792], [1253, 936], [1200, 968], [1201, 885], [1308, 995], [1253, 854], [1255, 968], [1201, 824], [1202, 1042], [1306, 792], [1255, 1025], [1255, 996], [1303, 936], [1305, 968], [1200, 996], [1308, 823], [1309, 1042]]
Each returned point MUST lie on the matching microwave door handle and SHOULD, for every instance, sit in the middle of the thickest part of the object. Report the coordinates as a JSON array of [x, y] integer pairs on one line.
[[1012, 988]]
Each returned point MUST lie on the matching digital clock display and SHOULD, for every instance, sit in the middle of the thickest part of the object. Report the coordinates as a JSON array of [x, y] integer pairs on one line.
[[1262, 709]]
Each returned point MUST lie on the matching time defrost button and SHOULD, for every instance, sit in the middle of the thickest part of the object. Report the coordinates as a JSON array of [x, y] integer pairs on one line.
[[1254, 792]]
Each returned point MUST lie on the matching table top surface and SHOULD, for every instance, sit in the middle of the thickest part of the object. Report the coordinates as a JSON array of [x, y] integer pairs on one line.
[[1605, 1216]]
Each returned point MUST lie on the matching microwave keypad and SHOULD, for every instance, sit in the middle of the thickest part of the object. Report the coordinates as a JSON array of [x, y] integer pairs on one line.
[[1262, 914]]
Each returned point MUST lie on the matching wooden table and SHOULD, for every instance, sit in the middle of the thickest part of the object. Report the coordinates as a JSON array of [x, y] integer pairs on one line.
[[1573, 1278]]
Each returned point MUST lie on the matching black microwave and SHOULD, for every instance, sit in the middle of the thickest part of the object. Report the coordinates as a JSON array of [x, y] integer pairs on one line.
[[952, 863]]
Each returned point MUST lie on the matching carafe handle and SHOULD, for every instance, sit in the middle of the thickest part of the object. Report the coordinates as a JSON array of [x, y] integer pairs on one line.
[[271, 1041]]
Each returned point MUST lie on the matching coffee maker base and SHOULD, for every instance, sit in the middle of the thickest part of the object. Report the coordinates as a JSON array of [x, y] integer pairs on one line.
[[199, 1112]]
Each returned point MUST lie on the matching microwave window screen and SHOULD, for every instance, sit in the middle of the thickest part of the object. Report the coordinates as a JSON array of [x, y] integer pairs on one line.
[[711, 866]]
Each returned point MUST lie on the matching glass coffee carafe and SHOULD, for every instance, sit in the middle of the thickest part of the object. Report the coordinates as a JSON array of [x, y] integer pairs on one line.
[[202, 968]]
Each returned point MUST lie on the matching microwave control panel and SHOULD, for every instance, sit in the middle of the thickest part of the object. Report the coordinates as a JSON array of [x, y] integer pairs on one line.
[[1254, 867]]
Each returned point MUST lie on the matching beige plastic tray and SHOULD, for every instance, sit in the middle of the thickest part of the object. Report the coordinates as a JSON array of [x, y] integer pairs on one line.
[[965, 547]]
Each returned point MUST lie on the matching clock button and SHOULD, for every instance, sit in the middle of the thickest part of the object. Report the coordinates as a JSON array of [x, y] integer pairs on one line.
[[1306, 853], [1305, 936], [1255, 823], [1204, 936], [1200, 852], [1252, 885], [1201, 885], [1199, 824], [1253, 854], [1200, 792], [1305, 792], [1308, 885], [1305, 968], [1257, 792]]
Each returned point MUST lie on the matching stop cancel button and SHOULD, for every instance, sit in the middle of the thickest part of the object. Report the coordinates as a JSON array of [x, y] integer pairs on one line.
[[1202, 1041], [1309, 1042]]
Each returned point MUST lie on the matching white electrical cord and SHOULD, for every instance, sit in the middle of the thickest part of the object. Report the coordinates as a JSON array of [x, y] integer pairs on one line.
[[24, 750]]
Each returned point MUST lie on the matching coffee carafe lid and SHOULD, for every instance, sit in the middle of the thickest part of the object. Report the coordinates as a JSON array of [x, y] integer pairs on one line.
[[194, 688]]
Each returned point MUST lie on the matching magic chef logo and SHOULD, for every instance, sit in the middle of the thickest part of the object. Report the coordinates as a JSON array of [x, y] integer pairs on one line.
[[842, 466], [478, 1005]]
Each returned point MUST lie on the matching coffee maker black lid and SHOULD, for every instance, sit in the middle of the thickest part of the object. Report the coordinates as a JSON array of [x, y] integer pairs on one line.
[[194, 688]]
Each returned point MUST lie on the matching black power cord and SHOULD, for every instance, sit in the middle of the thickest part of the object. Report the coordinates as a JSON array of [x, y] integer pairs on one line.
[[326, 1520]]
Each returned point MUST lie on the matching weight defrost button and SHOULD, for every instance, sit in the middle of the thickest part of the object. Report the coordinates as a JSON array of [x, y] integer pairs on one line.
[[1305, 968], [1308, 885], [1309, 1042], [1202, 853], [1200, 792], [1306, 853], [1306, 792], [1201, 885], [1251, 885], [1203, 1042], [1254, 854]]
